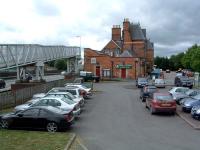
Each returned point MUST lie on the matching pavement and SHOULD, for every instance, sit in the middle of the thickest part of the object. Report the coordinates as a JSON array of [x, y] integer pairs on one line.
[[116, 119]]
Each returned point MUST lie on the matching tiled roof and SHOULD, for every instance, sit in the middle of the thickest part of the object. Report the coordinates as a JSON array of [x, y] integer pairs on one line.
[[136, 32]]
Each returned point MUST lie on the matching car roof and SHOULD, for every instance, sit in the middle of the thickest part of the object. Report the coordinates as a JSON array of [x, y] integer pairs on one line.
[[52, 97], [71, 87], [53, 93]]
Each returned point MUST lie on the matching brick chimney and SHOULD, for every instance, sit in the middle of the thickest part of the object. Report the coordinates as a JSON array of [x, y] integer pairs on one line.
[[116, 33], [126, 35]]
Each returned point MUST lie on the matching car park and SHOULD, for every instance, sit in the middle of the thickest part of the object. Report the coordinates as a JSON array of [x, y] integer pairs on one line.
[[161, 102], [141, 82], [183, 81], [146, 90], [191, 102], [159, 83], [42, 117], [2, 83]]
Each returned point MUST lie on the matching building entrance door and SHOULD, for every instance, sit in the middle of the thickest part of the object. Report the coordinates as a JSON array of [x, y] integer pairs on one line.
[[98, 71], [123, 73]]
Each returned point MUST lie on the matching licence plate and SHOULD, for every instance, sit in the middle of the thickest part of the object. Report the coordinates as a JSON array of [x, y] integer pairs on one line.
[[165, 104]]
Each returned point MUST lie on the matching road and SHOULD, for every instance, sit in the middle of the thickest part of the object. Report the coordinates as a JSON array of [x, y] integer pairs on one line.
[[115, 119], [47, 78]]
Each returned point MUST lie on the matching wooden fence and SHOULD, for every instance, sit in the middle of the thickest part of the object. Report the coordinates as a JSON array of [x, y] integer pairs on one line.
[[10, 99]]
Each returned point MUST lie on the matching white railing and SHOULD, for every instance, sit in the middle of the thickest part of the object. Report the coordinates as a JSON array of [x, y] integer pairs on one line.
[[13, 55]]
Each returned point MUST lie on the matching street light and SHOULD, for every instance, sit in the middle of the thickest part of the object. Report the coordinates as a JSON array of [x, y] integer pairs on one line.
[[80, 41]]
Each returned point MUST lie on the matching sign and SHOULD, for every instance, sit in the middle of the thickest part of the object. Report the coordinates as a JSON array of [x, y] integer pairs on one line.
[[93, 60], [120, 66]]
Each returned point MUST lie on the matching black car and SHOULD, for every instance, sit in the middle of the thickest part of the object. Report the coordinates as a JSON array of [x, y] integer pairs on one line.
[[2, 83], [141, 82], [146, 90], [41, 117], [183, 81]]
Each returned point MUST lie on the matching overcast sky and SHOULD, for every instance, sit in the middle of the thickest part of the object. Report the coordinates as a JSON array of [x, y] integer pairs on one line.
[[173, 25]]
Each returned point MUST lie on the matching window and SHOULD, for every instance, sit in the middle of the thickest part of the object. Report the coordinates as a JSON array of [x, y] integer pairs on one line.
[[42, 102], [106, 72], [53, 102], [31, 112]]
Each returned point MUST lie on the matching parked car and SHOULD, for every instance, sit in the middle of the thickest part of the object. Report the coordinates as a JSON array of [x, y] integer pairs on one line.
[[195, 112], [167, 71], [68, 95], [178, 93], [141, 82], [25, 105], [43, 117], [191, 102], [73, 90], [87, 92], [62, 103], [146, 90], [161, 102], [159, 83], [183, 81], [2, 83], [55, 91], [89, 76], [188, 94]]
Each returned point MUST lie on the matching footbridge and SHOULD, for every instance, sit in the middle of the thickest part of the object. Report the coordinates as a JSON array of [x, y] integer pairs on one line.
[[21, 55]]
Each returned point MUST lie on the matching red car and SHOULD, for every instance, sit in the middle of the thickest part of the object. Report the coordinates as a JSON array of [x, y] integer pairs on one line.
[[161, 102]]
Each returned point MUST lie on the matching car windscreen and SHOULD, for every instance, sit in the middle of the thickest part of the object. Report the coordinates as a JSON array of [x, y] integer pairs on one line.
[[142, 80], [164, 97]]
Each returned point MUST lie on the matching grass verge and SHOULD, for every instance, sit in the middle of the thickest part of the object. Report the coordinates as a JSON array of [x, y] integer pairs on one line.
[[33, 140]]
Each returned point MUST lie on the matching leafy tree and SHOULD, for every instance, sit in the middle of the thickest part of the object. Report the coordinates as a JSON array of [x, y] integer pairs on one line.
[[61, 64]]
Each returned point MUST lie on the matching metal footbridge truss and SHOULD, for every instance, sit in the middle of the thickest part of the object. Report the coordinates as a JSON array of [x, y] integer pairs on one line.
[[16, 55]]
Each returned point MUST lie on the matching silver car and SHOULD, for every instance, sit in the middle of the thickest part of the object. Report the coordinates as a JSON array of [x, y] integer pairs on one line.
[[178, 93], [159, 83]]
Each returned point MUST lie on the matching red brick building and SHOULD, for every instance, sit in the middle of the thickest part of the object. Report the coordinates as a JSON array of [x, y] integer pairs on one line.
[[128, 54]]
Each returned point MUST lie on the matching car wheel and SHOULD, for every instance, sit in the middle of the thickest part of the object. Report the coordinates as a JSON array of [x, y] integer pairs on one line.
[[52, 127], [152, 111], [146, 105], [4, 124], [143, 99]]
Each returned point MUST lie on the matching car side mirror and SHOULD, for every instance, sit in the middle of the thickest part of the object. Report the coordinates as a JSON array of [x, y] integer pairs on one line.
[[20, 115]]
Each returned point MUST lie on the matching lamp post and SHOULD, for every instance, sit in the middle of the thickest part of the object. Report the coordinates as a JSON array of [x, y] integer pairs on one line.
[[79, 41]]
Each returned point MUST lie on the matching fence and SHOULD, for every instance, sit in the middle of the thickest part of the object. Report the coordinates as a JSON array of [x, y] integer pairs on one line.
[[10, 99]]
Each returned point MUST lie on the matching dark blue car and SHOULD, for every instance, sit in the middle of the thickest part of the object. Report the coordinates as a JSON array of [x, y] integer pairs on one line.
[[191, 102]]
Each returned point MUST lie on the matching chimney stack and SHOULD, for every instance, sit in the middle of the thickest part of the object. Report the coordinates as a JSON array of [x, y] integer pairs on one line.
[[116, 33]]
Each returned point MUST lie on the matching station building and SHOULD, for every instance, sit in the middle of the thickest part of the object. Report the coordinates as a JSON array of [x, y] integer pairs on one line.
[[128, 55]]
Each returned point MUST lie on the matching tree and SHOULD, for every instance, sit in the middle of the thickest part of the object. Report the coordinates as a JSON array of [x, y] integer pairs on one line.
[[61, 64]]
